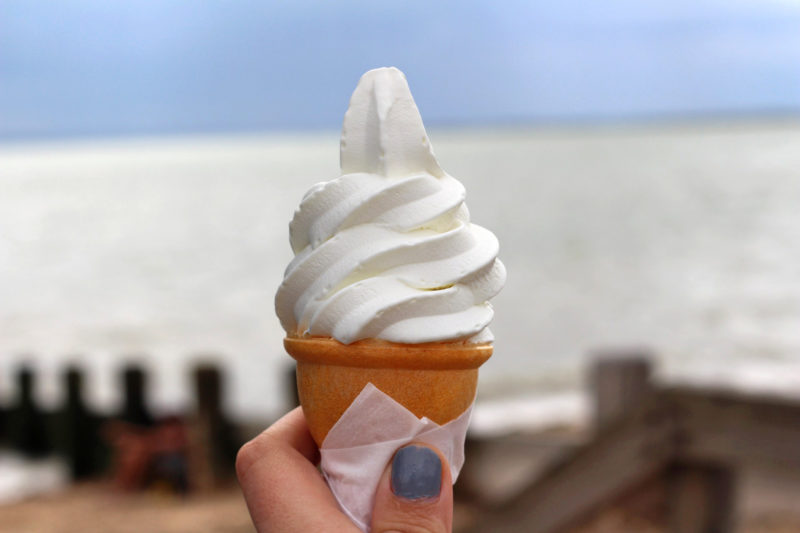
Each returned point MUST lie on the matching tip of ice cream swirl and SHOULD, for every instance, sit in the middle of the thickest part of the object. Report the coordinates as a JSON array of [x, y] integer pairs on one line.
[[382, 131], [386, 251]]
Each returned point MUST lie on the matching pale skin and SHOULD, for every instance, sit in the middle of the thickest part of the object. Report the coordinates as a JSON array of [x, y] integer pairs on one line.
[[285, 493]]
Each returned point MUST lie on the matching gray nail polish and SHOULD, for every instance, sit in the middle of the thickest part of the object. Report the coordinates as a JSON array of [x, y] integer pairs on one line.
[[416, 473]]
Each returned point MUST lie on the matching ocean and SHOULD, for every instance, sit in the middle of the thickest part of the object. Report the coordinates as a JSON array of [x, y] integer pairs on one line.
[[683, 238]]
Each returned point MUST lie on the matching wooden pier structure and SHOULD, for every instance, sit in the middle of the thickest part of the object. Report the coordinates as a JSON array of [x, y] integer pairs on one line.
[[660, 458]]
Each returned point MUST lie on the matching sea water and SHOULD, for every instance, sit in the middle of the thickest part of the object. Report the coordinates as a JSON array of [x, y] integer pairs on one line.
[[682, 238]]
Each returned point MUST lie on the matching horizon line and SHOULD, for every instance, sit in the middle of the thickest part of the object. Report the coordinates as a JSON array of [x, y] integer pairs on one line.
[[540, 122]]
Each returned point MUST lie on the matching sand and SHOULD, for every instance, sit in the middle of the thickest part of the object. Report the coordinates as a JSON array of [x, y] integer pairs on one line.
[[94, 507]]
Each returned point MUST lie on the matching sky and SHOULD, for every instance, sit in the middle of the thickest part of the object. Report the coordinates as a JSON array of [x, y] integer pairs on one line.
[[148, 67]]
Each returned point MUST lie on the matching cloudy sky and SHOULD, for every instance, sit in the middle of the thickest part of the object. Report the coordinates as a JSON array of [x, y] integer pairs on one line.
[[94, 68]]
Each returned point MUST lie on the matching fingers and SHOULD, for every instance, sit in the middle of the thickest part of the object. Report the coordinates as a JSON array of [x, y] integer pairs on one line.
[[415, 493], [283, 489], [286, 494]]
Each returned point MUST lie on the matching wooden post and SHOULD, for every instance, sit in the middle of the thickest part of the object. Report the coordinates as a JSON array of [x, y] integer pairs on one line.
[[208, 390], [620, 382], [701, 498], [134, 409], [215, 438], [129, 433], [27, 427], [3, 425], [77, 437]]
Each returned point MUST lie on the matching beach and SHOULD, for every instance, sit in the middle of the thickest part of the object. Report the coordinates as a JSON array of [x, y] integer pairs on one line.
[[91, 507], [168, 251]]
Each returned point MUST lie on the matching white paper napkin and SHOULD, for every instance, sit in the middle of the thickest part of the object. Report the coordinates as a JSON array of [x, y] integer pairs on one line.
[[361, 443]]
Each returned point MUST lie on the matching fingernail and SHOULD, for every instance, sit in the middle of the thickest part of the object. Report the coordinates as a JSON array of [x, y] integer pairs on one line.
[[416, 473]]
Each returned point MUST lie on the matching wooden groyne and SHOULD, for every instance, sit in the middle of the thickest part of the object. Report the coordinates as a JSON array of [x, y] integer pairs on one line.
[[190, 450], [667, 458], [658, 458]]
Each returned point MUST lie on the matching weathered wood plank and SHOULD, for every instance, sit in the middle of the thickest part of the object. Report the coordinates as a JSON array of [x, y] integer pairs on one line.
[[701, 498], [726, 427], [707, 433], [620, 457]]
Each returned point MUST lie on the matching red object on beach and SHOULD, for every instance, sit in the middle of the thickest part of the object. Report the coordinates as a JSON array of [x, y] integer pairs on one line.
[[143, 456]]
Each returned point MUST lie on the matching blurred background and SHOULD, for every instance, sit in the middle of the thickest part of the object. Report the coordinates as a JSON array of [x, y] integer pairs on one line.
[[638, 161]]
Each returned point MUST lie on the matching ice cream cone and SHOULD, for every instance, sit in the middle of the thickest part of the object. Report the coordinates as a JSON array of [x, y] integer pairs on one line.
[[435, 380]]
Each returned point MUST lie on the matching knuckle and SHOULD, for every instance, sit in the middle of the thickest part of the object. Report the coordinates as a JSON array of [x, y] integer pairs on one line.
[[244, 458], [250, 453]]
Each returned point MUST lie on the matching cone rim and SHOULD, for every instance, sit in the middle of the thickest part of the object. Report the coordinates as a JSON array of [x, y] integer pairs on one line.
[[376, 353]]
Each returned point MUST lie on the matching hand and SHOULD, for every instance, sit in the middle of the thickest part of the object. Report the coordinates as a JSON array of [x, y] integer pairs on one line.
[[285, 493]]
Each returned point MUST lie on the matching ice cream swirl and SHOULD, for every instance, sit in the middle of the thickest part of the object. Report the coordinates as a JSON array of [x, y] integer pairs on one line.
[[387, 251]]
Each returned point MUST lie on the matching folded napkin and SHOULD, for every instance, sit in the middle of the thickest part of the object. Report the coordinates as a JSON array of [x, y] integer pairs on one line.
[[362, 442]]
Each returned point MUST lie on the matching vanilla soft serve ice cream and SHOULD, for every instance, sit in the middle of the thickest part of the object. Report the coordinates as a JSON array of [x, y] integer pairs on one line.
[[387, 250]]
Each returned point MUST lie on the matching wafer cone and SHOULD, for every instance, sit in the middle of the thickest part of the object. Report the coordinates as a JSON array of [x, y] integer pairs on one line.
[[435, 380]]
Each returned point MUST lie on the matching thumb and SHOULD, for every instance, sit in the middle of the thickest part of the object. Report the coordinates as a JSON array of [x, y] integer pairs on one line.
[[415, 493]]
